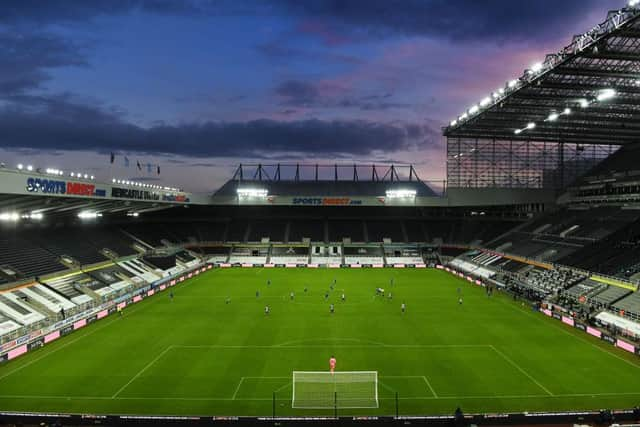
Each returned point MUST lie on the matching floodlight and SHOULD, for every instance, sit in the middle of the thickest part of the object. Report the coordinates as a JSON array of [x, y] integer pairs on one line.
[[553, 117], [20, 166], [252, 192], [29, 168], [633, 3], [518, 131], [453, 123], [531, 125], [464, 116], [9, 216], [566, 111], [536, 67], [486, 101], [606, 94], [474, 109], [583, 103], [512, 83], [401, 194]]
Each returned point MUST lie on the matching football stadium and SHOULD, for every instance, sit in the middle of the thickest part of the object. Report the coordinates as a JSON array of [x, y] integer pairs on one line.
[[350, 293]]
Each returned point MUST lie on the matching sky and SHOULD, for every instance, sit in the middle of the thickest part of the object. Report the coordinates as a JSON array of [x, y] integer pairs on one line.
[[200, 86]]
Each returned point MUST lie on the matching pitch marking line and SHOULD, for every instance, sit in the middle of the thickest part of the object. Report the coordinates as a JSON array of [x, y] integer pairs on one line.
[[518, 367], [422, 377], [430, 387], [162, 353], [235, 393]]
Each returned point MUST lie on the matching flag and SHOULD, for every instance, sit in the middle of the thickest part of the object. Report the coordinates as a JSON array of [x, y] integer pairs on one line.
[[158, 169], [138, 165], [126, 162], [113, 157]]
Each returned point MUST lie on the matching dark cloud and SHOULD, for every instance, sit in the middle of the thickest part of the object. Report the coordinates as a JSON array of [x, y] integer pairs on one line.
[[458, 20], [25, 58], [52, 11], [297, 93], [62, 123]]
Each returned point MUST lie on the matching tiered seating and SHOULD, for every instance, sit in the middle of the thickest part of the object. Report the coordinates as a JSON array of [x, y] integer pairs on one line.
[[210, 231], [237, 230], [612, 255], [608, 296], [28, 259], [471, 268], [585, 289], [7, 325], [340, 229], [217, 254], [415, 231], [13, 307], [249, 255], [289, 255], [71, 287], [363, 255], [274, 230], [151, 233], [548, 281], [311, 229], [379, 230], [109, 238], [72, 242], [630, 305]]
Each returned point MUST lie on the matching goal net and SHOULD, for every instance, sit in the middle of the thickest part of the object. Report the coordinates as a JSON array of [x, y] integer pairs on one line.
[[323, 390]]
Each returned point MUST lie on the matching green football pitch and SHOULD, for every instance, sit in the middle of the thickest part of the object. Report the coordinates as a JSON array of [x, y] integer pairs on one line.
[[200, 354]]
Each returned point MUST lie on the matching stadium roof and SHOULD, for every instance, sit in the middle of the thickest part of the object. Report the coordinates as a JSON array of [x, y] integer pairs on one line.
[[588, 93]]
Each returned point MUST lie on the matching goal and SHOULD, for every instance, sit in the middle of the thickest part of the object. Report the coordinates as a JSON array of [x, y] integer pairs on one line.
[[323, 390]]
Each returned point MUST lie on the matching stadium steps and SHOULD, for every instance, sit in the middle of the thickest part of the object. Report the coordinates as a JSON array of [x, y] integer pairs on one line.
[[33, 304]]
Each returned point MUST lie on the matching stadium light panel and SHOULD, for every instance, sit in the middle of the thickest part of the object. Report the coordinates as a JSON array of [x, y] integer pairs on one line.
[[464, 116], [531, 125], [501, 91], [485, 101], [634, 3], [401, 194], [553, 117], [20, 166], [583, 103], [453, 123], [566, 111], [29, 168], [252, 192], [512, 83], [535, 68], [518, 131], [9, 216], [606, 94], [474, 109], [89, 215]]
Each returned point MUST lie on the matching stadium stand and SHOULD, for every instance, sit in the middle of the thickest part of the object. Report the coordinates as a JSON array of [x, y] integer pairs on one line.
[[312, 229], [346, 229], [272, 230], [289, 255], [377, 231], [26, 259], [363, 255]]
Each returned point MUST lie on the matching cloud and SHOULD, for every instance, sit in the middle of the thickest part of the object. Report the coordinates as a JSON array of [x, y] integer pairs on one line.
[[64, 123], [297, 93], [336, 22], [25, 57]]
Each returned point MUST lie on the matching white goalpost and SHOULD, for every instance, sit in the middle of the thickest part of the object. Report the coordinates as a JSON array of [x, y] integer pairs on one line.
[[324, 390]]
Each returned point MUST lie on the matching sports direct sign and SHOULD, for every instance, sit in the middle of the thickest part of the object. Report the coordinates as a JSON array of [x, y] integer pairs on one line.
[[326, 201], [52, 186]]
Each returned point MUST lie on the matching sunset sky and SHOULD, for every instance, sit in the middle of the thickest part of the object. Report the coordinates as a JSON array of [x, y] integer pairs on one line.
[[200, 86]]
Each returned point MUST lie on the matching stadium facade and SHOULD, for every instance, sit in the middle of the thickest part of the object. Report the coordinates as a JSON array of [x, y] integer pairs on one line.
[[542, 199]]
